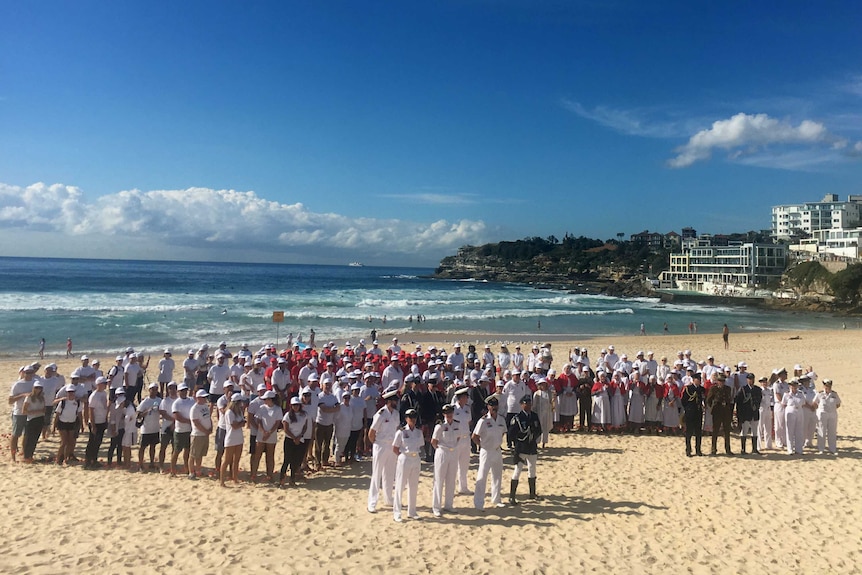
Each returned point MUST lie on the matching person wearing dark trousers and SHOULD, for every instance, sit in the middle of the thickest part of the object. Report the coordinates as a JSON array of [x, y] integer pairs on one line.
[[747, 401], [692, 405], [719, 401]]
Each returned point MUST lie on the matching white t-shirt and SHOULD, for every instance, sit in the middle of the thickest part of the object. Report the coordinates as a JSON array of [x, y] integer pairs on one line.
[[253, 407], [221, 405], [98, 402], [19, 387], [166, 369], [115, 375], [182, 406], [166, 406], [131, 377], [234, 435], [200, 412], [267, 417], [50, 385], [218, 374], [150, 406], [326, 400], [295, 427]]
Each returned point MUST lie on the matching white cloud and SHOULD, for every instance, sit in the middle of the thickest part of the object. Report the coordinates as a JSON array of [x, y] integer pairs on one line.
[[434, 198], [226, 219], [745, 133], [629, 122]]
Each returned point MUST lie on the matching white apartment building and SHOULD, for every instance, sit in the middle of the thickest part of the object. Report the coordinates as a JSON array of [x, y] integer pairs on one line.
[[789, 220], [738, 264]]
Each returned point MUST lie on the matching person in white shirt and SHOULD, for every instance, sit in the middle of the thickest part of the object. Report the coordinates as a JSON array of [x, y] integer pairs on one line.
[[488, 435], [166, 430], [234, 418], [342, 422], [357, 423], [130, 429], [190, 368], [221, 426], [97, 404], [130, 377], [826, 403], [394, 349], [504, 358], [295, 423], [202, 427], [407, 446], [462, 415], [381, 434], [150, 428], [327, 407], [267, 419], [166, 371], [513, 391], [19, 392], [445, 440], [182, 427], [217, 376]]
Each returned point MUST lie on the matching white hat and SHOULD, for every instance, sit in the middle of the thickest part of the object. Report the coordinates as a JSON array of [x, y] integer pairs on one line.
[[71, 387], [167, 350], [236, 397], [741, 364], [610, 347], [101, 380], [201, 393], [183, 386], [261, 387], [355, 386], [153, 385], [83, 357], [295, 401], [797, 367], [269, 395], [361, 342], [313, 377], [172, 383]]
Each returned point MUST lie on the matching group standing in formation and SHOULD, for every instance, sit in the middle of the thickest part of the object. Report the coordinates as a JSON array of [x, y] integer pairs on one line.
[[335, 407]]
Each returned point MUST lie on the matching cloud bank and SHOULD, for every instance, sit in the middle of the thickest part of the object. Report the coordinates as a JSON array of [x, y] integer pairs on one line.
[[744, 133], [227, 219]]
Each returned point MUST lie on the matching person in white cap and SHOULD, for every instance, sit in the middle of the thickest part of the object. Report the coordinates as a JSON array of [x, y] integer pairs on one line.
[[794, 404], [234, 418], [19, 392], [166, 430], [513, 391], [66, 419], [488, 435], [97, 405], [182, 428], [202, 427], [341, 424], [166, 371], [34, 411], [456, 358], [130, 429], [381, 434], [268, 416], [544, 409], [826, 404], [116, 426], [149, 410], [767, 406], [190, 369], [51, 383], [780, 388], [217, 376], [295, 422], [445, 440], [221, 424], [357, 423], [408, 446], [462, 415]]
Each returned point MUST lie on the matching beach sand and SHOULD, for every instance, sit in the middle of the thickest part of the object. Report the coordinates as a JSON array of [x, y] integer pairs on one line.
[[612, 504]]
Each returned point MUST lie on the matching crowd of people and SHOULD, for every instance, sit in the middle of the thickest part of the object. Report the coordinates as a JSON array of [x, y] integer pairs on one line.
[[333, 407]]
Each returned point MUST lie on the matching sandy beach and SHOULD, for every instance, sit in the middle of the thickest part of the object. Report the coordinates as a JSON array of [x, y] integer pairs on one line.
[[612, 504]]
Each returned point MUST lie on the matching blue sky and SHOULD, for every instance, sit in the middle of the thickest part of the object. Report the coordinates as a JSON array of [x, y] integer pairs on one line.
[[395, 132]]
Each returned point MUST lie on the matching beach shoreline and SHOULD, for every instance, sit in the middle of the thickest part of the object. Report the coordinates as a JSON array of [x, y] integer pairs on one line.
[[615, 503]]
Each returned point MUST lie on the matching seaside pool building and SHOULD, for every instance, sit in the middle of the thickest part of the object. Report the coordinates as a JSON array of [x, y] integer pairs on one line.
[[707, 267]]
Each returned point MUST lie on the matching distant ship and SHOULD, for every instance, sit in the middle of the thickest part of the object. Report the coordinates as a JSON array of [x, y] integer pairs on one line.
[[356, 264]]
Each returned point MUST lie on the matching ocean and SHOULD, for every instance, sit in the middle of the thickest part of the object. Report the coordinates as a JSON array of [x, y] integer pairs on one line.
[[107, 305]]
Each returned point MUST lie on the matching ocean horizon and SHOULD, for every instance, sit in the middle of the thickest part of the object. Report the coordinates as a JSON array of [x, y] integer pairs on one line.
[[107, 305]]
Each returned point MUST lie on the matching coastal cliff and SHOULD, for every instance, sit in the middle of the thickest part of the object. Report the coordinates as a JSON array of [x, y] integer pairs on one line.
[[575, 264], [622, 269]]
